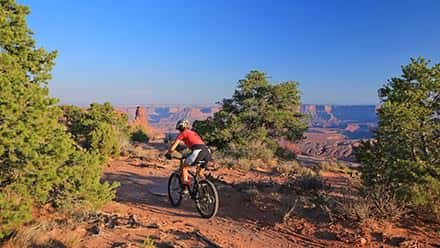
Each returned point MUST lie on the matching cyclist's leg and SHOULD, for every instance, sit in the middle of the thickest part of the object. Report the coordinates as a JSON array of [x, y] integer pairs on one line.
[[204, 155], [201, 172], [189, 161], [185, 175]]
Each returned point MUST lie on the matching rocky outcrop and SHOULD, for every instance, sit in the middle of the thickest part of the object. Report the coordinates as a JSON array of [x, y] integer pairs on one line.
[[321, 142], [139, 117], [141, 120], [334, 128], [352, 127], [354, 121], [164, 117]]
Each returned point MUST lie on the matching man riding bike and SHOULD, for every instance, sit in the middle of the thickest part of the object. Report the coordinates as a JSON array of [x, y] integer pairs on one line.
[[200, 151]]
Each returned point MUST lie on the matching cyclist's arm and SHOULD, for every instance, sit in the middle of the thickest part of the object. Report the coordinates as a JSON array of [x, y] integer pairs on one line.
[[173, 147]]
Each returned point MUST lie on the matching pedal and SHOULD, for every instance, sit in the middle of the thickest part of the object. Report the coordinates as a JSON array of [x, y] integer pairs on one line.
[[185, 190]]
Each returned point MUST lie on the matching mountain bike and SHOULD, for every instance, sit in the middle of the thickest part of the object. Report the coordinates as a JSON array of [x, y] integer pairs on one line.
[[201, 191]]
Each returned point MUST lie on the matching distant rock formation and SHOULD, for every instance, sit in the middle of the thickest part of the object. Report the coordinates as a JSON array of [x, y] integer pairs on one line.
[[139, 116], [164, 117], [323, 142], [334, 129], [141, 120], [352, 127]]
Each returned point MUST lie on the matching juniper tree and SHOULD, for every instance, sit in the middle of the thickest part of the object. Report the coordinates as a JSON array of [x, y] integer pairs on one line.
[[98, 128], [405, 153], [256, 117], [39, 163]]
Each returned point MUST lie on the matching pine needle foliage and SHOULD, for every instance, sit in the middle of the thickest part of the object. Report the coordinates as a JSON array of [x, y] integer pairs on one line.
[[259, 114], [39, 161]]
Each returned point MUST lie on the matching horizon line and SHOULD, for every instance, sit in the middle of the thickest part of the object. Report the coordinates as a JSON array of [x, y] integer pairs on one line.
[[202, 104]]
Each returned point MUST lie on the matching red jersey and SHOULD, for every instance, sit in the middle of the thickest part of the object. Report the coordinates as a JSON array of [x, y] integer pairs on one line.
[[190, 138]]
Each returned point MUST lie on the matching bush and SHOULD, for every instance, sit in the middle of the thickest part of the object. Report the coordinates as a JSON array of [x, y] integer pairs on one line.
[[334, 166], [148, 243], [309, 183], [98, 128], [256, 117], [405, 153], [81, 185], [293, 169], [139, 135], [15, 208], [358, 209], [40, 163], [380, 203], [251, 151]]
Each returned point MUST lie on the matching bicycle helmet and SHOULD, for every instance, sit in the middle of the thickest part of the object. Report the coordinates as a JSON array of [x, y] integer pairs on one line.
[[182, 124]]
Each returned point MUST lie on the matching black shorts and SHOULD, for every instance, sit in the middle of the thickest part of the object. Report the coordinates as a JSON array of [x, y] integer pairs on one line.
[[199, 153]]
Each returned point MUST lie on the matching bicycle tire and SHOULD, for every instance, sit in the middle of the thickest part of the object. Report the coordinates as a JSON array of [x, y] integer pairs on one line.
[[174, 202], [213, 200]]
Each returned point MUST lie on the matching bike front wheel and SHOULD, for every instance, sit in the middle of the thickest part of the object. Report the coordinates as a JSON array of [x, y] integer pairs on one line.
[[175, 189], [207, 200]]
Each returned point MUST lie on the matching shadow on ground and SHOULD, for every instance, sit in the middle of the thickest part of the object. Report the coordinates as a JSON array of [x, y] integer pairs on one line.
[[237, 201]]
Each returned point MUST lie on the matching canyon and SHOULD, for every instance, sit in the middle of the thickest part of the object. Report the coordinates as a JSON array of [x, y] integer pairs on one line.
[[334, 129]]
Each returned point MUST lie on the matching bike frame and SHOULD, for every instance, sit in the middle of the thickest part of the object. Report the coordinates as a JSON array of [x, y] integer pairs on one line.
[[207, 202], [192, 190]]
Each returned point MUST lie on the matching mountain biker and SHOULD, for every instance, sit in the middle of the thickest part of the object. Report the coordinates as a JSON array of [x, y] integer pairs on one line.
[[200, 151]]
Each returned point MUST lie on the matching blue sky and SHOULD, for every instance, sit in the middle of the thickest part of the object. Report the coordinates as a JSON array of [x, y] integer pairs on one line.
[[138, 51]]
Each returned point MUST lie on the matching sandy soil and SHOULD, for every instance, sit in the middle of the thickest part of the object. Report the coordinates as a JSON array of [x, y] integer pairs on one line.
[[239, 223]]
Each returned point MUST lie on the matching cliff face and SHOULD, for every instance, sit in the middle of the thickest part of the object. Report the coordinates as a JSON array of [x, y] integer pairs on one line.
[[334, 129], [140, 119], [137, 116], [340, 116], [322, 142], [164, 117], [352, 121]]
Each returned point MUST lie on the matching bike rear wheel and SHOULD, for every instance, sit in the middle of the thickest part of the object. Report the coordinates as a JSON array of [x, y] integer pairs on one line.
[[174, 190], [207, 200]]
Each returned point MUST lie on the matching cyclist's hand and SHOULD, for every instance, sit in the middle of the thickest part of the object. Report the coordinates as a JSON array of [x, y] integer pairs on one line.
[[168, 156]]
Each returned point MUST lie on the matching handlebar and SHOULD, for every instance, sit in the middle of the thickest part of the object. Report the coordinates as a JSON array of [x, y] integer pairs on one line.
[[174, 155]]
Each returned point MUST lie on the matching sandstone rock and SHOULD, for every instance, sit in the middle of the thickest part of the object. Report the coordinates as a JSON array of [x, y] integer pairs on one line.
[[140, 119]]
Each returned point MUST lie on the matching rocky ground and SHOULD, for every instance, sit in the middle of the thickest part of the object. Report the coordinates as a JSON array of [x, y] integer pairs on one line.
[[141, 215]]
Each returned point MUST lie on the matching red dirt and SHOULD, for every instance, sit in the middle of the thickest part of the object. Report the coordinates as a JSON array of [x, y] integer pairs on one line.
[[239, 222]]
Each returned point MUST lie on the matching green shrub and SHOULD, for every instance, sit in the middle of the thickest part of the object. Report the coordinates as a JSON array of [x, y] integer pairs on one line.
[[98, 128], [405, 153], [309, 183], [15, 208], [252, 151], [334, 166], [380, 204], [256, 117], [81, 184], [149, 243], [39, 162], [293, 169], [139, 136]]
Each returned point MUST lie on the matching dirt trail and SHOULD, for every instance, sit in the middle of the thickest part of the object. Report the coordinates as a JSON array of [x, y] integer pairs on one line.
[[238, 223], [143, 194]]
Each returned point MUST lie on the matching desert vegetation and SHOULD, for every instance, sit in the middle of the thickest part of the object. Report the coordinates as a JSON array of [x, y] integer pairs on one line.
[[99, 128], [404, 156], [41, 163], [250, 123], [139, 135], [53, 158], [398, 178]]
